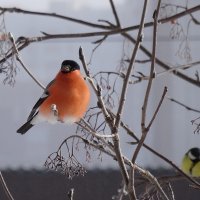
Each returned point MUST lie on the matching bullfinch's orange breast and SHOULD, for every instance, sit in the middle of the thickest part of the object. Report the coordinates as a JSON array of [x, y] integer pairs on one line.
[[70, 94]]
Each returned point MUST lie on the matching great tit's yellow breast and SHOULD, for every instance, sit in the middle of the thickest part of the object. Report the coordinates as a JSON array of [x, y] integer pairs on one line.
[[186, 165], [196, 170]]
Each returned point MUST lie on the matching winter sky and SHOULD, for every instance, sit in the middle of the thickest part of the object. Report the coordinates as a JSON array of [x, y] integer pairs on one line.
[[44, 4]]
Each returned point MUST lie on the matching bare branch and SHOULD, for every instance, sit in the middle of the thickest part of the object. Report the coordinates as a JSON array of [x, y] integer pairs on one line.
[[23, 11], [153, 180], [183, 105], [5, 187], [27, 41], [96, 89], [149, 24], [171, 69], [189, 178], [21, 62], [124, 89], [121, 192], [146, 98], [70, 194], [91, 131], [164, 65], [68, 164], [106, 115], [158, 108], [122, 102], [115, 13], [130, 68], [195, 21], [197, 124], [179, 15]]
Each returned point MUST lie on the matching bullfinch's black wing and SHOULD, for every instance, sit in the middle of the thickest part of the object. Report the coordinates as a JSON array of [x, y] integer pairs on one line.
[[40, 101]]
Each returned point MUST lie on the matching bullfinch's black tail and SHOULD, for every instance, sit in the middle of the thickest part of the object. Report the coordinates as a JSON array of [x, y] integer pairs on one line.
[[24, 128]]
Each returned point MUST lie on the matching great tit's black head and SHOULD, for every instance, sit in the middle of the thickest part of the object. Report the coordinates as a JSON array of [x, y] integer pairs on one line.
[[194, 154], [68, 66]]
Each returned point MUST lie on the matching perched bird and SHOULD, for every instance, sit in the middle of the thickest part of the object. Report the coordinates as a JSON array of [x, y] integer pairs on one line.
[[191, 162], [65, 98]]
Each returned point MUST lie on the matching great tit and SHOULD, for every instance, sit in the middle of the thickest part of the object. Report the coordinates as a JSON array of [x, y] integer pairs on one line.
[[191, 162]]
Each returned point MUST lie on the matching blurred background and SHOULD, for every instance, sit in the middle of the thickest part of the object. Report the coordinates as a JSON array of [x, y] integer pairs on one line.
[[172, 133]]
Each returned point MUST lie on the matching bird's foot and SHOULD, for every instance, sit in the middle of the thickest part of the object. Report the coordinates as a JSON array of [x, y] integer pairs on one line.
[[54, 110]]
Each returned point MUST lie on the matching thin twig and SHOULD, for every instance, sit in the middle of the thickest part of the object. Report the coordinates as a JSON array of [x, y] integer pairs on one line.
[[21, 62], [131, 28], [183, 105], [158, 108], [96, 146], [131, 185], [129, 163], [70, 194], [90, 130], [130, 68], [148, 89], [145, 173], [5, 187], [129, 132], [147, 94], [153, 180], [171, 69], [123, 96], [111, 31], [79, 21], [120, 74], [121, 192], [95, 88], [162, 64], [115, 13], [189, 178], [116, 141], [28, 41], [107, 33], [105, 112]]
